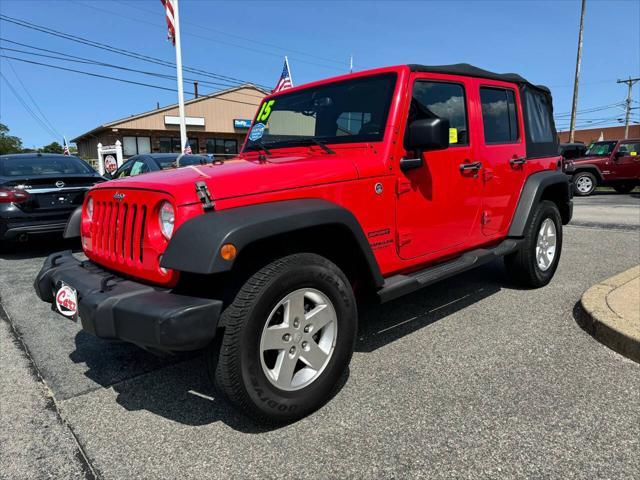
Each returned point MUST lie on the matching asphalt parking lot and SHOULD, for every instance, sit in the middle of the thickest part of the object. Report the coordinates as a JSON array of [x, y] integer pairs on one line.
[[469, 378]]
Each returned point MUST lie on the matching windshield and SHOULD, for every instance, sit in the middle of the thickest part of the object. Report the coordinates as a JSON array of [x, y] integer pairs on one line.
[[28, 166], [341, 112], [601, 149]]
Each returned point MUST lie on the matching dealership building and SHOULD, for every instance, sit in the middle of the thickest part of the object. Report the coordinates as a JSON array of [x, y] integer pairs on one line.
[[589, 135], [216, 124]]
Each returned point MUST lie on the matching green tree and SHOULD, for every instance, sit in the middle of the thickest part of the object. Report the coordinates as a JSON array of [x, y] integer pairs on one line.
[[8, 143], [53, 147]]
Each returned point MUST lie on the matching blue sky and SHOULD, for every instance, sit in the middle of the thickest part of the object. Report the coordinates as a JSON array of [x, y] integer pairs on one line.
[[247, 40]]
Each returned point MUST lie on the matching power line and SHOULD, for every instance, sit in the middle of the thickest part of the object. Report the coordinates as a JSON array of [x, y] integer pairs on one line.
[[108, 77], [73, 58], [27, 108], [26, 90], [121, 51]]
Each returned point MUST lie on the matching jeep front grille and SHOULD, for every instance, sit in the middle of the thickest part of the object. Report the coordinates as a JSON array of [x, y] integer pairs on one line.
[[118, 230]]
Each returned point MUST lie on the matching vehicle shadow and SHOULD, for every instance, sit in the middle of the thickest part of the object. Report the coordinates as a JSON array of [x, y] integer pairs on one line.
[[384, 324], [177, 388]]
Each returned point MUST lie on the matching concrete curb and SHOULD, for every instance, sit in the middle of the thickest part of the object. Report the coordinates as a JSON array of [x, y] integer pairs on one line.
[[617, 332]]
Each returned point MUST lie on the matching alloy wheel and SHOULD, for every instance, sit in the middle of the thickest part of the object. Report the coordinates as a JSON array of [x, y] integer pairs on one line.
[[546, 245], [298, 339]]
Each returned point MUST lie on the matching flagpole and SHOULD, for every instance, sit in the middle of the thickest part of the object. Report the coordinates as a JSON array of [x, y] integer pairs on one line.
[[286, 60], [183, 124]]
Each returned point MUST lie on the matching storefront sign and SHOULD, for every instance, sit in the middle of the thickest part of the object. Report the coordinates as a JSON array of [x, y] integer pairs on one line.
[[241, 123]]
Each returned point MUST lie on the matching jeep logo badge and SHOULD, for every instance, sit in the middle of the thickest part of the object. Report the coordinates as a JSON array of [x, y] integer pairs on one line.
[[59, 184], [118, 196]]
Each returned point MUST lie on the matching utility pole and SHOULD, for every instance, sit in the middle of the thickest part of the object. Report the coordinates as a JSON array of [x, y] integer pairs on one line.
[[629, 83], [574, 108]]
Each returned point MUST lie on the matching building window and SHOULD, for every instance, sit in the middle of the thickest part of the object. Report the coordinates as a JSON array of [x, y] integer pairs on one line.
[[135, 145], [499, 115], [222, 146], [172, 145], [165, 144]]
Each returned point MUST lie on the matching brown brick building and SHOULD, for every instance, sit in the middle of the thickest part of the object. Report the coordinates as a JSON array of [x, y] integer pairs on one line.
[[593, 134], [216, 123]]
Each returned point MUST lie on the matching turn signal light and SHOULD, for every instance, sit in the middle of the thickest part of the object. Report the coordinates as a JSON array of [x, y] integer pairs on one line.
[[228, 251]]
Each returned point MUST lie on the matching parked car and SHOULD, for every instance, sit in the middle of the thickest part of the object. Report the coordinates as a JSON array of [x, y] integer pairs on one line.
[[38, 192], [381, 181], [572, 150], [154, 162], [613, 163]]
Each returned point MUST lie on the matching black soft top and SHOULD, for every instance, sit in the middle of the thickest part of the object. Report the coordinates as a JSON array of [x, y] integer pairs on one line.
[[537, 105], [472, 71]]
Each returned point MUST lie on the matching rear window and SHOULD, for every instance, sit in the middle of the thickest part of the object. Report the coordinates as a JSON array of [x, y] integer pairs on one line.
[[499, 115], [43, 165]]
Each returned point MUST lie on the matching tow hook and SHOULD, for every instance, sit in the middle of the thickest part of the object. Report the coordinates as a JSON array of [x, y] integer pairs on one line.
[[204, 195]]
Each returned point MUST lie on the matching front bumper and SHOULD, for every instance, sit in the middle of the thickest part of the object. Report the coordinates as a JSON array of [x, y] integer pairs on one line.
[[113, 307]]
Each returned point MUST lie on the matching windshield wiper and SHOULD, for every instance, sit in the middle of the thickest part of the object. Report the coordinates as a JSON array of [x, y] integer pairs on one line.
[[261, 146], [306, 141], [322, 145]]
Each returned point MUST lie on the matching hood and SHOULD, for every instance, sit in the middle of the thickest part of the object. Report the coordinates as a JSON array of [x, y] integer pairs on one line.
[[240, 177], [593, 158]]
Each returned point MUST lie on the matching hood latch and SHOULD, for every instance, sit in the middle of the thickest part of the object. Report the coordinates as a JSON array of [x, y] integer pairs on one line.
[[204, 195]]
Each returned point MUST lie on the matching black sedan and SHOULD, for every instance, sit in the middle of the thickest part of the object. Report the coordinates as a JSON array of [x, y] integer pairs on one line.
[[38, 192], [153, 162]]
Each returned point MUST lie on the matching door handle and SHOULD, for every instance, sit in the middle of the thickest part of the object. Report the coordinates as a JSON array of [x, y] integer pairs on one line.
[[464, 167], [515, 162]]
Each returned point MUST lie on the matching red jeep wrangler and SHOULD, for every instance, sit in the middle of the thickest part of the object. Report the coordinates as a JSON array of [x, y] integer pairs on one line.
[[614, 163], [383, 181]]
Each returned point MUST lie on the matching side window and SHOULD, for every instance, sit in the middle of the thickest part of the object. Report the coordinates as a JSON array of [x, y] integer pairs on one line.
[[138, 167], [443, 100], [124, 170], [499, 115], [631, 148]]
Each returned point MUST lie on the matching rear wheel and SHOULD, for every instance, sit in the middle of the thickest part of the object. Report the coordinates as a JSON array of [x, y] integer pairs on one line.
[[584, 183], [535, 263], [289, 336], [624, 187]]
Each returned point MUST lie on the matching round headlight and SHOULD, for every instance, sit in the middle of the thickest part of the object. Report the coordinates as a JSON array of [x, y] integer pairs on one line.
[[166, 218], [90, 208]]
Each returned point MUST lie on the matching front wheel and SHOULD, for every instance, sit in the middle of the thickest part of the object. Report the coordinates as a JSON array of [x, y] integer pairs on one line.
[[289, 336], [535, 263], [584, 183]]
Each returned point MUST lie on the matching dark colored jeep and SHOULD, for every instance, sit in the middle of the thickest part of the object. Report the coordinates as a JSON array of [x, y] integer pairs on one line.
[[383, 181], [614, 163]]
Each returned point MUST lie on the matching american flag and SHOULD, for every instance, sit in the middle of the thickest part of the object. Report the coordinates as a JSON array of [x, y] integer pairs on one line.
[[66, 147], [285, 79], [168, 10], [187, 148]]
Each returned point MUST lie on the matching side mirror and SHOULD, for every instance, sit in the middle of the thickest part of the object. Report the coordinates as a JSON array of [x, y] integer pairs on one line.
[[620, 154], [428, 134]]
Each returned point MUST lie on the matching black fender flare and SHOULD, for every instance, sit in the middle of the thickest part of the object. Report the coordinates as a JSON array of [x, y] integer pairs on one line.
[[533, 191], [195, 246], [588, 167]]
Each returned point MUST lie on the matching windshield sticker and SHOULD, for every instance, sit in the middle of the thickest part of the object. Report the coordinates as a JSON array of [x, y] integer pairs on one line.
[[265, 111], [453, 135], [256, 132]]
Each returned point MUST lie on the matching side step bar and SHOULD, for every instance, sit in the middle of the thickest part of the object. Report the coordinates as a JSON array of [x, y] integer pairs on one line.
[[399, 285]]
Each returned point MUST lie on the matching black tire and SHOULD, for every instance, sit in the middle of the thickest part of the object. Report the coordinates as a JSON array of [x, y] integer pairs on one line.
[[522, 266], [238, 373], [624, 187], [582, 178]]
